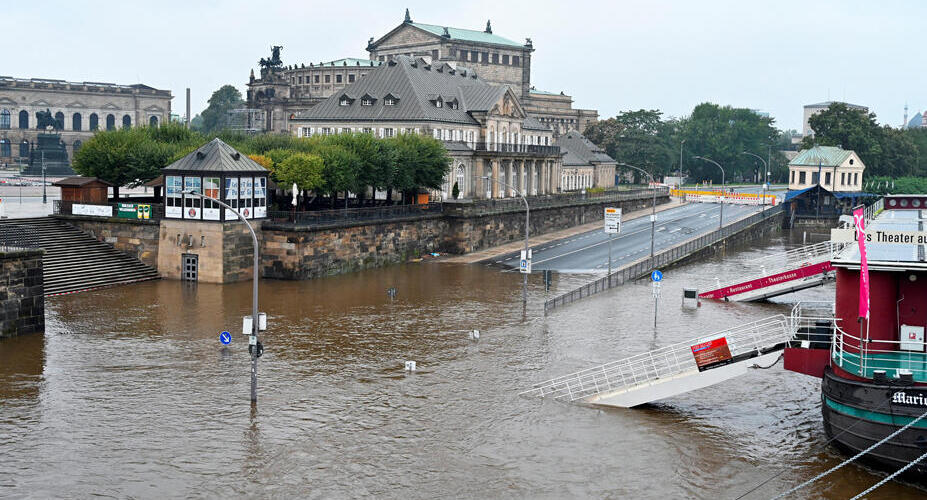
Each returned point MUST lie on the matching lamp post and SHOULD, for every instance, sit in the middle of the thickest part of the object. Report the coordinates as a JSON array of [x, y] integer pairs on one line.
[[524, 291], [653, 208], [44, 186], [721, 217], [255, 323], [765, 177], [680, 158]]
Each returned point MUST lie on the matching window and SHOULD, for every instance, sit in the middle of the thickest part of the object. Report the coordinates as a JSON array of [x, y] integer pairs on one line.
[[505, 59], [344, 101], [59, 120], [231, 193], [4, 118], [337, 78], [463, 55], [24, 119], [495, 58], [94, 121], [126, 121], [316, 78], [856, 179], [300, 80], [211, 189], [485, 57], [843, 178], [192, 203], [153, 121], [474, 56], [851, 161], [827, 178], [815, 177], [76, 122], [368, 130], [801, 178], [110, 122], [24, 149], [345, 130], [246, 202], [6, 149], [189, 266], [351, 78], [328, 78], [325, 131], [366, 101], [434, 54], [439, 103], [260, 195], [389, 101], [173, 184], [388, 132], [515, 61]]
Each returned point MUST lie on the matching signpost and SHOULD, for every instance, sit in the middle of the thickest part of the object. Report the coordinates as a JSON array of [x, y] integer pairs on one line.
[[656, 277], [524, 263], [612, 226]]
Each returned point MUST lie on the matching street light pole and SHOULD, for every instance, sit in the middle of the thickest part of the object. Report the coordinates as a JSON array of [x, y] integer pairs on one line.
[[44, 195], [653, 207], [254, 294], [680, 158], [721, 217], [765, 176], [524, 291]]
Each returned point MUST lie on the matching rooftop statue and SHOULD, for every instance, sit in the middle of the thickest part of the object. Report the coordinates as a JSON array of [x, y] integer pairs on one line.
[[274, 60]]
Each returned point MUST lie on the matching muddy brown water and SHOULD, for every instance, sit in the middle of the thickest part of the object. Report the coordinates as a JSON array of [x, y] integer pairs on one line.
[[129, 394]]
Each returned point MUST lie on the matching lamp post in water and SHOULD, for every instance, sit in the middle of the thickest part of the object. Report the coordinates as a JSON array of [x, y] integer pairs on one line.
[[524, 290], [653, 208], [721, 217], [255, 320], [765, 174]]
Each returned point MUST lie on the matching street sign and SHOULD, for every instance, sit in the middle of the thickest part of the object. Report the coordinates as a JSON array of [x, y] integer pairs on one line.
[[612, 220], [225, 338], [524, 263], [656, 276]]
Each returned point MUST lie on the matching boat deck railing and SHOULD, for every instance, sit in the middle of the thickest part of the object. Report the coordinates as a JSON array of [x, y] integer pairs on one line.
[[786, 261], [660, 364], [866, 357]]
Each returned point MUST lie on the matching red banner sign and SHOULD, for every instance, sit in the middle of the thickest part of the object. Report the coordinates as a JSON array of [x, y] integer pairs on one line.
[[711, 353], [859, 217], [775, 279]]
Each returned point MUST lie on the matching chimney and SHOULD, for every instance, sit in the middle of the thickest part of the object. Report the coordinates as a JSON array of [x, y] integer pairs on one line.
[[188, 107]]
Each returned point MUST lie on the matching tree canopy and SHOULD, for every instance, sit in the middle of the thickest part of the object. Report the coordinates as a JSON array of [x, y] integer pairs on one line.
[[216, 115], [640, 138]]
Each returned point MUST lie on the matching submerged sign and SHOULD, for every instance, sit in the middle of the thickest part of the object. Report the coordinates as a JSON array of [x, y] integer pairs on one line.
[[712, 353]]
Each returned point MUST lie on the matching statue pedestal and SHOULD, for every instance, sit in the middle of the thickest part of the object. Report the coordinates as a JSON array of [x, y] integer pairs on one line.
[[49, 149]]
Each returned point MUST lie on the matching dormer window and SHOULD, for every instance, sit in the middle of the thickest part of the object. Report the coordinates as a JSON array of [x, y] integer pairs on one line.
[[366, 101], [439, 103], [344, 101], [390, 100]]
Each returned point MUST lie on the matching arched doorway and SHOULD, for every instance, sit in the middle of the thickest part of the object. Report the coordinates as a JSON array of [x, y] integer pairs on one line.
[[110, 122], [24, 119], [153, 121], [126, 121], [94, 121]]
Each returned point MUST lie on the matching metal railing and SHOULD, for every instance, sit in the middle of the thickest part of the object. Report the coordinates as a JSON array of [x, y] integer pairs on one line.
[[65, 207], [516, 148], [642, 370], [354, 215], [786, 261], [17, 237], [864, 357], [643, 267], [503, 205]]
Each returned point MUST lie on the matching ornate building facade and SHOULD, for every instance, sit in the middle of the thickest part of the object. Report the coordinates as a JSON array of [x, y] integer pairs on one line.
[[281, 92], [79, 110]]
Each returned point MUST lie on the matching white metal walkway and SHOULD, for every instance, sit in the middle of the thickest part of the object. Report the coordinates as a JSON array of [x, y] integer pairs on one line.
[[794, 270], [671, 370]]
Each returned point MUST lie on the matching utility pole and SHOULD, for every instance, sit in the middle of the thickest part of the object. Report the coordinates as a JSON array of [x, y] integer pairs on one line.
[[44, 194], [721, 218]]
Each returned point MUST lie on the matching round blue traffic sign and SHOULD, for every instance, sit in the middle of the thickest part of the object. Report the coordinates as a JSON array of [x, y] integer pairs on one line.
[[656, 276], [225, 338]]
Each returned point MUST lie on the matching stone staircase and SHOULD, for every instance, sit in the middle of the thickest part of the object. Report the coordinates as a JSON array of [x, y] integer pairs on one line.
[[75, 261]]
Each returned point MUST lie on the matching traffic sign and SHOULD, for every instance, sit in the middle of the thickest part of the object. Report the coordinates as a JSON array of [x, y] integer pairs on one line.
[[656, 276], [612, 220], [225, 338], [524, 263]]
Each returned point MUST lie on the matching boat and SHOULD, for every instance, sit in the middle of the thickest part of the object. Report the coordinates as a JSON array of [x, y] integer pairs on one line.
[[867, 347]]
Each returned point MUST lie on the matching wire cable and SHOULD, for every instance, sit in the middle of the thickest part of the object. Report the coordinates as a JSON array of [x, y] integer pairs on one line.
[[889, 478]]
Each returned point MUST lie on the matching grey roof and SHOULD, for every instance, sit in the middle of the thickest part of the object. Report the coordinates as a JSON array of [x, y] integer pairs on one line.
[[532, 123], [78, 181], [215, 156], [827, 104], [417, 85], [580, 151]]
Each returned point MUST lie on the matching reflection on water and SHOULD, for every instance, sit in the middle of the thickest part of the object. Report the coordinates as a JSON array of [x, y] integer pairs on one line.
[[130, 394]]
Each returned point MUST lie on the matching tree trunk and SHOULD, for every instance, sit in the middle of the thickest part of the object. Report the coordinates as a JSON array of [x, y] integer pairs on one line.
[[389, 196], [334, 200], [115, 193]]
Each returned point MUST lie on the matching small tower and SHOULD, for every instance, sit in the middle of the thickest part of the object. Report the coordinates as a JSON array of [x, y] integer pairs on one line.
[[904, 123]]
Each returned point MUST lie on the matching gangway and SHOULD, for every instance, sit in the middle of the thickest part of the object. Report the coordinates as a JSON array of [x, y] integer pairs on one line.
[[794, 270], [675, 369]]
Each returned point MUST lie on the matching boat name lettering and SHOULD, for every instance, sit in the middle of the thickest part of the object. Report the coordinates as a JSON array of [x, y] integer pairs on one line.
[[900, 397]]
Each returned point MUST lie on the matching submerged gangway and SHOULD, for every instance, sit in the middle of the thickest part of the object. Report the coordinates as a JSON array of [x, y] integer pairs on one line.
[[794, 270], [674, 369]]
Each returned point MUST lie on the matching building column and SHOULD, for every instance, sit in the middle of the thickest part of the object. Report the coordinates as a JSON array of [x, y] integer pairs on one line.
[[495, 178], [477, 179]]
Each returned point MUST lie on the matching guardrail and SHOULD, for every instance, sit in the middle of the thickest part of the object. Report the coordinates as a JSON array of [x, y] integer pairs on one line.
[[17, 237], [660, 364], [785, 261], [642, 268], [353, 215]]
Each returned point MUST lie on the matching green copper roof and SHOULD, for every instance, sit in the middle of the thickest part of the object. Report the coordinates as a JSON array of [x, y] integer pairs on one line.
[[351, 61], [467, 35], [825, 156], [542, 92]]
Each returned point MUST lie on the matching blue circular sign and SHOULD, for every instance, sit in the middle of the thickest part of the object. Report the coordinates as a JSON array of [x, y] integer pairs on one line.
[[225, 338], [656, 275]]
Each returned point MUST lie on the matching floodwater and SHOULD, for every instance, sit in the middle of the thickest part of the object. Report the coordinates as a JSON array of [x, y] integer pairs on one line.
[[129, 394]]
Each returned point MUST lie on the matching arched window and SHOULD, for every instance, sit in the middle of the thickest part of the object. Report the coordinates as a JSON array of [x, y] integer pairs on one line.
[[6, 149], [24, 119], [126, 121], [76, 122], [24, 149], [94, 121], [153, 121], [460, 179], [59, 120], [110, 122], [4, 118], [77, 146]]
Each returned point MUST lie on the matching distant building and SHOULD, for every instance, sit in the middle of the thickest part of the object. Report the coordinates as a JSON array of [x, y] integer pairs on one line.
[[835, 169], [79, 108], [813, 109], [917, 121], [585, 165], [485, 128]]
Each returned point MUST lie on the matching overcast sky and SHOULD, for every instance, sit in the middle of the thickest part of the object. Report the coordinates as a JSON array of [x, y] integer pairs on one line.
[[609, 55]]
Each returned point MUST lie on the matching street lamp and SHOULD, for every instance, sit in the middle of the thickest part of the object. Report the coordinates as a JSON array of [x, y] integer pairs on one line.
[[721, 217], [653, 209], [765, 177], [680, 160], [255, 323], [524, 291]]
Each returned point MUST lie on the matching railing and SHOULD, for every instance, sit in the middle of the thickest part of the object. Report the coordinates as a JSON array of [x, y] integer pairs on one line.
[[794, 258], [16, 237], [516, 148], [652, 367], [663, 258], [354, 215], [857, 356], [66, 207], [503, 205]]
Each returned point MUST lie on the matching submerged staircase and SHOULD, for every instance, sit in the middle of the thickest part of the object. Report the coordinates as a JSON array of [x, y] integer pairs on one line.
[[671, 370], [75, 261], [794, 270]]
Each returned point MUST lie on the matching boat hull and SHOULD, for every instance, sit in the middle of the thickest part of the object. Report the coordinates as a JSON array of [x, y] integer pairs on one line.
[[858, 414]]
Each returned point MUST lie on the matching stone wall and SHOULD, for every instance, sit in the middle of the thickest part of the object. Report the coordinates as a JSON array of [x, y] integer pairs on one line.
[[22, 292], [137, 238], [224, 249]]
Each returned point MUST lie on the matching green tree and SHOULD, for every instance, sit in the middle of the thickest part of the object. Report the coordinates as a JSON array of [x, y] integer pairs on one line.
[[216, 115], [305, 170], [122, 157], [455, 191], [421, 162], [340, 169], [848, 128], [640, 138]]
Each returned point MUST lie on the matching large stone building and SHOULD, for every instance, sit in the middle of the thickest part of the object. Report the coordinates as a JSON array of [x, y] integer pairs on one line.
[[585, 165], [813, 109], [282, 92], [79, 110], [492, 141]]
